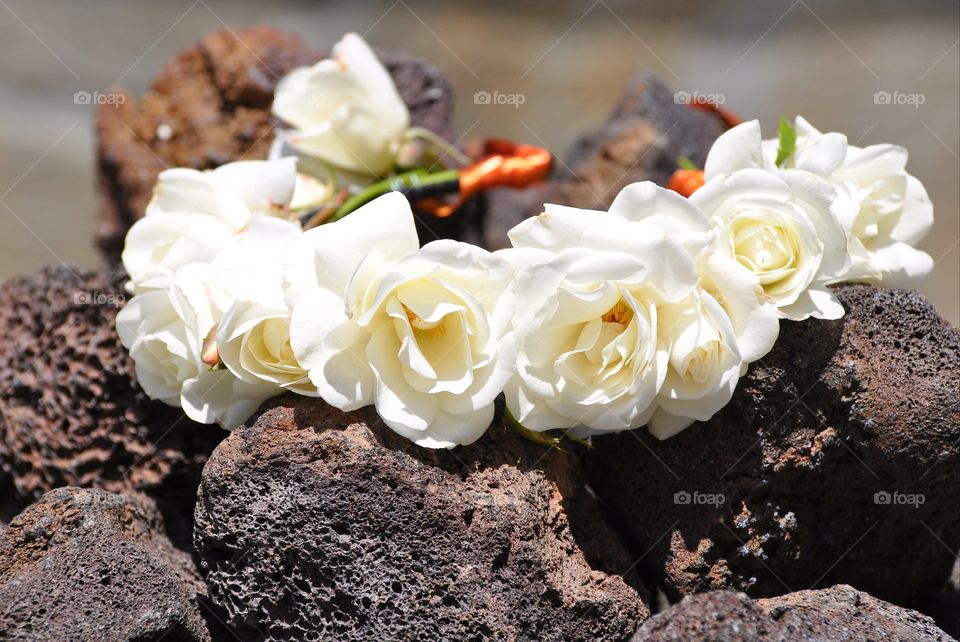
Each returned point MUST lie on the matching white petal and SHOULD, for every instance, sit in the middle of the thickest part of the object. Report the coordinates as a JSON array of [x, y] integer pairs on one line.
[[754, 319], [262, 185], [401, 407], [216, 397], [663, 425], [813, 302], [916, 217], [332, 349], [902, 266], [385, 224], [736, 149], [639, 201], [449, 431], [823, 154]]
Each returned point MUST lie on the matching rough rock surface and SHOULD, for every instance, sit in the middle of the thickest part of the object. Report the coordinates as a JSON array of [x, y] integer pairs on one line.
[[641, 141], [837, 614], [838, 460], [71, 412], [211, 105], [315, 524], [86, 564]]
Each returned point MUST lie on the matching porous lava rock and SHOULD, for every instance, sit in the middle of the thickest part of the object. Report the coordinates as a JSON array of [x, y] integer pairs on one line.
[[642, 140], [837, 614], [313, 524], [210, 105], [71, 412], [837, 461], [87, 564]]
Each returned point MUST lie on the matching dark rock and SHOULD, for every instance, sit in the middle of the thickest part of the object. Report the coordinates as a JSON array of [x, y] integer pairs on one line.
[[85, 564], [315, 524], [641, 141], [71, 412], [838, 460], [837, 614], [944, 607], [214, 99]]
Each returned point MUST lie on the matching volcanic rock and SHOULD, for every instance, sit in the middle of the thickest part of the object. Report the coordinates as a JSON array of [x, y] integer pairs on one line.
[[211, 105], [316, 524], [642, 140], [837, 461], [837, 614], [71, 412], [86, 564]]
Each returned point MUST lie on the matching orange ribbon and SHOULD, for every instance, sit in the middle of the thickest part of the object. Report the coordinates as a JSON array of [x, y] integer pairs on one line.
[[686, 181], [728, 118], [504, 164]]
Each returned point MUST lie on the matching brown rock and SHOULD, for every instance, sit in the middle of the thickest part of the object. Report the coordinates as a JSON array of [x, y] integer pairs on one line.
[[92, 565], [838, 460], [315, 522], [71, 412], [641, 141], [837, 614], [213, 99]]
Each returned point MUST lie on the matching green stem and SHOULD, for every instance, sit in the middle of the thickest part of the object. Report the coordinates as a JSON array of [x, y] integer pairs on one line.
[[399, 183], [548, 438]]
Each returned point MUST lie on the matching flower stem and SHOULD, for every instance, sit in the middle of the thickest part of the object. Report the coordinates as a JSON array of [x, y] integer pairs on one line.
[[416, 180], [550, 438]]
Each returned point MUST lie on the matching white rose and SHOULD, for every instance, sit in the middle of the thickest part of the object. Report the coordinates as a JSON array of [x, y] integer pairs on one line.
[[588, 315], [422, 333], [710, 336], [628, 317], [165, 330], [253, 337], [887, 211], [193, 213], [344, 110], [781, 224]]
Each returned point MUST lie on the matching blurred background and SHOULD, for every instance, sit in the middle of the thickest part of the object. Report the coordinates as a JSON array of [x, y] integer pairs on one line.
[[569, 60]]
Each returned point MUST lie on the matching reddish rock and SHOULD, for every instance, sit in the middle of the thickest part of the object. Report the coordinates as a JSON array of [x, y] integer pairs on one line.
[[838, 460], [837, 614], [211, 105], [315, 522], [84, 564], [71, 412]]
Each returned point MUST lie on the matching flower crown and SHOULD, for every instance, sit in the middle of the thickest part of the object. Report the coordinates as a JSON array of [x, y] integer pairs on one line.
[[305, 273]]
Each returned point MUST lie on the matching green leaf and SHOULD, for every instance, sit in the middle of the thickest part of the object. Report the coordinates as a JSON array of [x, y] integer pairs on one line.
[[685, 163], [788, 142]]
